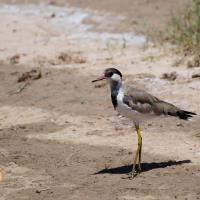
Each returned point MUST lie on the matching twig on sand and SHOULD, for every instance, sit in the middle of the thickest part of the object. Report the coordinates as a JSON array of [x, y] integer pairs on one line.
[[41, 190], [21, 88], [27, 77], [34, 74]]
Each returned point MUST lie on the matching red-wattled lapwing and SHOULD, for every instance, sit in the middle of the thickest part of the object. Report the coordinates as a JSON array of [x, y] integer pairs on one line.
[[136, 105]]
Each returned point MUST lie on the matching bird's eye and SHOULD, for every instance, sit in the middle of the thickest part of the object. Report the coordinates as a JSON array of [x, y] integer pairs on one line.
[[110, 74]]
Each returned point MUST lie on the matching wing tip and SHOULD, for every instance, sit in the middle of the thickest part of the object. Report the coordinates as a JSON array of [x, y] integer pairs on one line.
[[186, 115]]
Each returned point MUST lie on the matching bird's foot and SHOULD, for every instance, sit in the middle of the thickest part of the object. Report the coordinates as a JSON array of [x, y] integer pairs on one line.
[[135, 171], [139, 169]]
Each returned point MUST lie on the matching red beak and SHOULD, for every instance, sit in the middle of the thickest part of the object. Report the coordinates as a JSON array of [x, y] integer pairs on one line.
[[99, 79]]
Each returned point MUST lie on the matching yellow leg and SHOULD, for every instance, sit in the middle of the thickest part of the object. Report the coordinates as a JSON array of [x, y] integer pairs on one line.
[[137, 160]]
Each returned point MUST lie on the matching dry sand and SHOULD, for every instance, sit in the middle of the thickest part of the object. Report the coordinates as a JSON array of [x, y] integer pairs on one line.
[[59, 135]]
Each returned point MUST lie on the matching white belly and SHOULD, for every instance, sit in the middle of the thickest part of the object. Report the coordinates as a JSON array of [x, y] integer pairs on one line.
[[125, 110]]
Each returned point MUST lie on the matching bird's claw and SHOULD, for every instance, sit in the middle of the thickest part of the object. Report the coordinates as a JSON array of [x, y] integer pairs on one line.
[[134, 172], [139, 169]]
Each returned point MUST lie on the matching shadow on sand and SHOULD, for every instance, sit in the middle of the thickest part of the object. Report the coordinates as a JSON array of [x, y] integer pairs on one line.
[[145, 167]]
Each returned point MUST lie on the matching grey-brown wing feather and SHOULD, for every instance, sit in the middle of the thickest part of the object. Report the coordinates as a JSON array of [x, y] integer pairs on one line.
[[144, 102]]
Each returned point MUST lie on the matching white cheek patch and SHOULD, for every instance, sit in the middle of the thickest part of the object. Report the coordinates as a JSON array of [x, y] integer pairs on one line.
[[116, 77]]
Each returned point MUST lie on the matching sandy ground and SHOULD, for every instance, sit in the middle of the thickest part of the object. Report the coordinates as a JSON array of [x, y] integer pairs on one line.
[[59, 135], [141, 15]]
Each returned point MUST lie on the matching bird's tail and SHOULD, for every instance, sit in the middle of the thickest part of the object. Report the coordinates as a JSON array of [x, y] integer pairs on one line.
[[182, 114]]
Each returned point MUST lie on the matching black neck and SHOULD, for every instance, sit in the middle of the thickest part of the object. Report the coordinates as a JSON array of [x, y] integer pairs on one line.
[[114, 86]]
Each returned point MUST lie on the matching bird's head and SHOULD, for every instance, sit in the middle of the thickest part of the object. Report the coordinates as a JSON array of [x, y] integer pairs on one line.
[[111, 75]]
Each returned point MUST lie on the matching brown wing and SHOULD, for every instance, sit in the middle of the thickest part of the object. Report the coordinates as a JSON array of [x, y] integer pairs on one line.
[[144, 102]]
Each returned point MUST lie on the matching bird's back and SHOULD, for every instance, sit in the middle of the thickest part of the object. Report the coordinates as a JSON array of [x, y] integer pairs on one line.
[[145, 103]]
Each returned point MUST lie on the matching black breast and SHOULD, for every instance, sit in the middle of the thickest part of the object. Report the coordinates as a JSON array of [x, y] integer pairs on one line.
[[114, 98], [114, 92]]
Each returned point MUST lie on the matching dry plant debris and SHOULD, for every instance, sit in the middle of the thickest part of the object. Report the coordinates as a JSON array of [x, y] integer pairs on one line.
[[169, 76], [196, 75], [15, 59], [31, 75], [67, 58]]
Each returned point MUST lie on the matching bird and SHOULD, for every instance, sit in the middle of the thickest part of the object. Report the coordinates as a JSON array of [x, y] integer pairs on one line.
[[138, 105]]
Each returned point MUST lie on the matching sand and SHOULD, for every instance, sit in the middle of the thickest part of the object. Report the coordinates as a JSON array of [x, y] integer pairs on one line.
[[60, 137]]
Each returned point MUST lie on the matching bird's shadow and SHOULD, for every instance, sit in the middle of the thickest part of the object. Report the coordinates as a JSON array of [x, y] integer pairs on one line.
[[145, 167]]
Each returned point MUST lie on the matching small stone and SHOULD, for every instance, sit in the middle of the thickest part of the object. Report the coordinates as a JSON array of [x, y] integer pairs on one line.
[[169, 76], [53, 15], [149, 124], [179, 124]]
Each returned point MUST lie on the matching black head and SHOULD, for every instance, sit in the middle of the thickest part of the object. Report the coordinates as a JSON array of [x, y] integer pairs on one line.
[[111, 71], [109, 74]]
